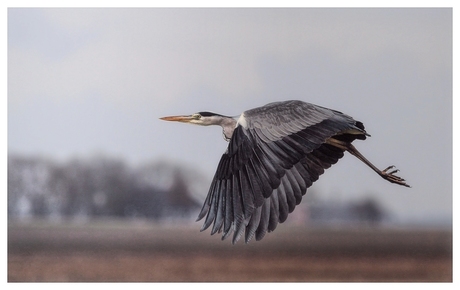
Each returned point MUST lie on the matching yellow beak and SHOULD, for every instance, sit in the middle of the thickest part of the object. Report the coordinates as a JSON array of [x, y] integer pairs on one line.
[[183, 119]]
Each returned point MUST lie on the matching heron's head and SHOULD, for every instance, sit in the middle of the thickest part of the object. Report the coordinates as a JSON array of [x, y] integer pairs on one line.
[[201, 118]]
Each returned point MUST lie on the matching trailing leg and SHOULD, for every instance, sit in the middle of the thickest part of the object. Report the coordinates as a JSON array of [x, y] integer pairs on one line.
[[385, 174]]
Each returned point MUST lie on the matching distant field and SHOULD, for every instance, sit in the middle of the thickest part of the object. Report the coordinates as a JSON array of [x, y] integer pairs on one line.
[[145, 252]]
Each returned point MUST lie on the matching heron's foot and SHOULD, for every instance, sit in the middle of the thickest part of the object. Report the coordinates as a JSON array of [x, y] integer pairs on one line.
[[391, 177]]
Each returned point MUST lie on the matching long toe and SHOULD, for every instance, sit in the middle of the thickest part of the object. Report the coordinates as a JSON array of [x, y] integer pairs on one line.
[[393, 178], [388, 168]]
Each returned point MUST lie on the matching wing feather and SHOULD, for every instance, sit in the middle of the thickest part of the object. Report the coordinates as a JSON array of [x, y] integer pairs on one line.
[[220, 214], [291, 186], [282, 193], [257, 185], [265, 176], [264, 220], [229, 218], [238, 208], [248, 197], [253, 224], [274, 213], [210, 218], [300, 175]]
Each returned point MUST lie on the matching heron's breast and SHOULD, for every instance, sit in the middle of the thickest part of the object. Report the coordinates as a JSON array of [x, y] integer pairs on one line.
[[242, 121]]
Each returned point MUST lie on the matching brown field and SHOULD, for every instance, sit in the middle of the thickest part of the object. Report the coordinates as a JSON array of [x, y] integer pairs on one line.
[[143, 252]]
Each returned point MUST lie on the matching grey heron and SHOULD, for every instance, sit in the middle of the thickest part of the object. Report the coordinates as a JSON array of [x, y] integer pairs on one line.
[[275, 153]]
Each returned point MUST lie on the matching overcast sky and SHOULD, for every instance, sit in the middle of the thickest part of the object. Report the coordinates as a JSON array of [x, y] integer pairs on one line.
[[86, 81]]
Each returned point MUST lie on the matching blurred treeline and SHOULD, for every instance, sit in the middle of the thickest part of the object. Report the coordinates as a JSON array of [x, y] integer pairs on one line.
[[99, 186], [102, 186]]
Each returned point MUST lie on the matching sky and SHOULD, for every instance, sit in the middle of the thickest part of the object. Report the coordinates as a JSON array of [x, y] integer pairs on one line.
[[85, 81]]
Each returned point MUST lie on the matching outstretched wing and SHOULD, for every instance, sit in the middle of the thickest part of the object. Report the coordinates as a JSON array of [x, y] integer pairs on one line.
[[276, 152]]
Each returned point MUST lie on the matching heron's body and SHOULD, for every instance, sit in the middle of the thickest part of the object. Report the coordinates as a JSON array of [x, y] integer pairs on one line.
[[275, 153]]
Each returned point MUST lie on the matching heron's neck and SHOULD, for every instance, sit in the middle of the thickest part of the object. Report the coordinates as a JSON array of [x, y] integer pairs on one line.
[[228, 125]]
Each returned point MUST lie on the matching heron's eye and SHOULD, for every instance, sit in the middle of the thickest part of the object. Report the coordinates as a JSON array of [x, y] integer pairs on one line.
[[196, 116]]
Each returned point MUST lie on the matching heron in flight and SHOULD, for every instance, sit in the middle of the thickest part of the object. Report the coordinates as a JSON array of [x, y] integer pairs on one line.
[[275, 153]]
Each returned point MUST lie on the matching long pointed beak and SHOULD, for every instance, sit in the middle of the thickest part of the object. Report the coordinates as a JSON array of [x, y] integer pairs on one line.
[[183, 119]]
